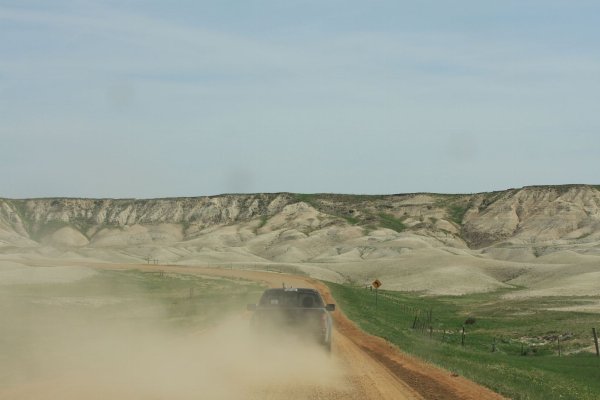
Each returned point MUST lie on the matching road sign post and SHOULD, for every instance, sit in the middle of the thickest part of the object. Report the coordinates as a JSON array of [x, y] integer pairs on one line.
[[596, 342], [376, 284]]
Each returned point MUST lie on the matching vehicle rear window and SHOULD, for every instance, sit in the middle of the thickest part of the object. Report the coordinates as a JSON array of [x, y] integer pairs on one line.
[[284, 298]]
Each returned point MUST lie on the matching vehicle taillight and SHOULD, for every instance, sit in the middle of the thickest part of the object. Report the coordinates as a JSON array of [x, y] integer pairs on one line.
[[324, 322]]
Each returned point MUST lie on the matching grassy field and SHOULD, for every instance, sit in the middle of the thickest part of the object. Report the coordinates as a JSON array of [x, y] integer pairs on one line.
[[40, 322], [159, 297], [510, 346]]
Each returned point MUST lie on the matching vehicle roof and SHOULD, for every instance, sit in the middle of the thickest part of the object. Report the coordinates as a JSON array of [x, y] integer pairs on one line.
[[302, 290]]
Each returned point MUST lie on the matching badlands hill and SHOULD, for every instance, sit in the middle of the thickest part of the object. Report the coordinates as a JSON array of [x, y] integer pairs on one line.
[[540, 240]]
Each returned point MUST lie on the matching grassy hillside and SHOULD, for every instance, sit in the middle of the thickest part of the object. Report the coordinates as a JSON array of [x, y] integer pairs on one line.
[[510, 346]]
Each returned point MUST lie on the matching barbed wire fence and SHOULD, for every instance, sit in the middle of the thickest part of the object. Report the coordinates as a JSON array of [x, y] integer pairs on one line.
[[421, 320]]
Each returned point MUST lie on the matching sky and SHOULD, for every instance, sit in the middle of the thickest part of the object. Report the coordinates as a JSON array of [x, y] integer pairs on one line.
[[190, 98]]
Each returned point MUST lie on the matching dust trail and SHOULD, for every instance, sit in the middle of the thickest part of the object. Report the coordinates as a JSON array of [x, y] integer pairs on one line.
[[78, 356], [227, 362]]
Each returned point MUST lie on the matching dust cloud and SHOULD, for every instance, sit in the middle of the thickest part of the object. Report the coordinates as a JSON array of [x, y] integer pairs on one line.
[[68, 355]]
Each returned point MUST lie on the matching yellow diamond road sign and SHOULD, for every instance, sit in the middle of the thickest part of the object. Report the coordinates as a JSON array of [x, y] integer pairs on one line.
[[376, 283]]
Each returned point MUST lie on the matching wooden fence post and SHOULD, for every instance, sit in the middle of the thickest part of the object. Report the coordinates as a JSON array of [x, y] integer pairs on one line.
[[596, 342], [462, 339]]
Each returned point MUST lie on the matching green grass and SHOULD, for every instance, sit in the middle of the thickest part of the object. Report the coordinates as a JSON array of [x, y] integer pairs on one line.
[[315, 200], [262, 222], [184, 300], [457, 212], [310, 199], [456, 206], [525, 363], [351, 220], [391, 222]]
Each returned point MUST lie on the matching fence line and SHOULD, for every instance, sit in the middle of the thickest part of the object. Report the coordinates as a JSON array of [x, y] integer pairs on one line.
[[421, 320]]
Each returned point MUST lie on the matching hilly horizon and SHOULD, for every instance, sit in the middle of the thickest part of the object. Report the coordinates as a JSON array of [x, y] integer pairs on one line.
[[533, 241]]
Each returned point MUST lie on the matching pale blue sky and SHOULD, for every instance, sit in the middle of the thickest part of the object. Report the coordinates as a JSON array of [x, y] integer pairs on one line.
[[184, 98]]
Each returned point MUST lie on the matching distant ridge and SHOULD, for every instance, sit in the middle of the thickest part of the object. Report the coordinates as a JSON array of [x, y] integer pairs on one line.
[[479, 219], [332, 236]]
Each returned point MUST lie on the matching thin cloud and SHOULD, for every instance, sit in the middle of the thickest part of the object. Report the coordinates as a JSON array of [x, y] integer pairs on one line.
[[146, 92]]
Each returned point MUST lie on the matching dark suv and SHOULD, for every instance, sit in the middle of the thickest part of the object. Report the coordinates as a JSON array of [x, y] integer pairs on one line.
[[298, 311]]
